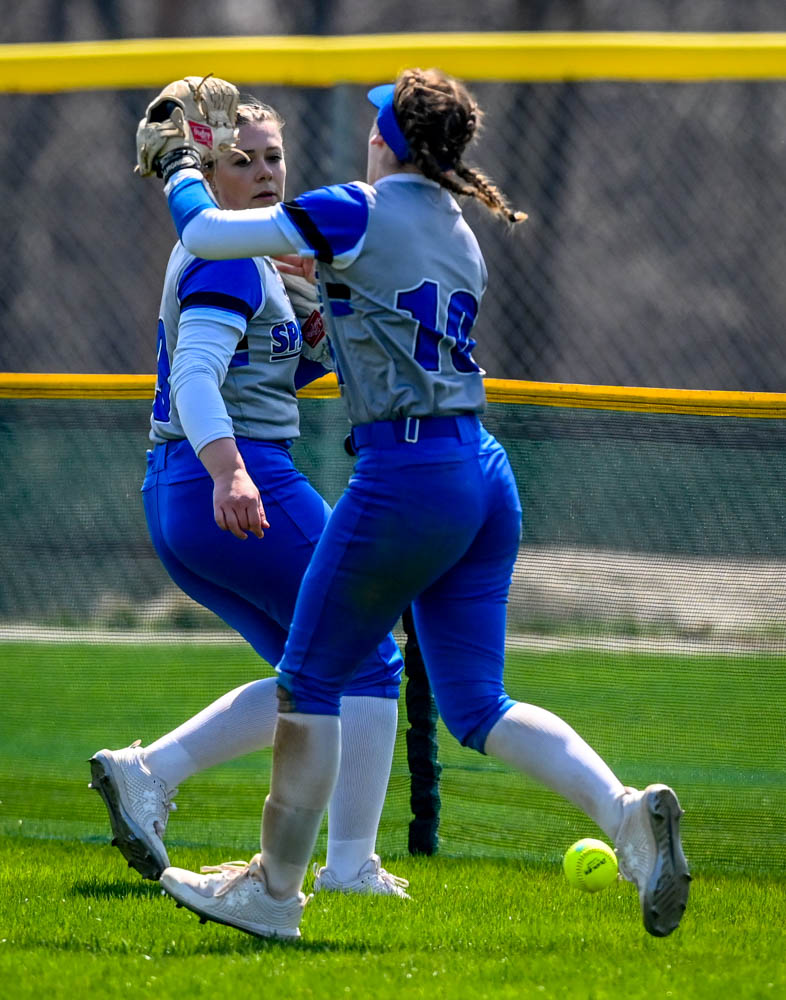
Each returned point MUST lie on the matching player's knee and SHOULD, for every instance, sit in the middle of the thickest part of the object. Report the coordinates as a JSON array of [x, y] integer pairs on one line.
[[471, 726], [285, 699], [464, 727], [379, 675], [381, 688], [296, 694]]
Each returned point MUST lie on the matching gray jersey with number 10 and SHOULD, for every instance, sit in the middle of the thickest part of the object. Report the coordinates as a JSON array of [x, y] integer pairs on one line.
[[401, 276]]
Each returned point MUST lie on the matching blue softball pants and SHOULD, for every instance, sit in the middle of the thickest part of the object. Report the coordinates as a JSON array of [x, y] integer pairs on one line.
[[431, 517], [252, 583]]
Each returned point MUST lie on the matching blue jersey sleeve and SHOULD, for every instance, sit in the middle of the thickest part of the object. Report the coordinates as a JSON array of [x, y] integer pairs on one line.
[[187, 198], [234, 286], [332, 221]]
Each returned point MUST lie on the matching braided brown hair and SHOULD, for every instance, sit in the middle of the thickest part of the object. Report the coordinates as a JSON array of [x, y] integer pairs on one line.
[[439, 119]]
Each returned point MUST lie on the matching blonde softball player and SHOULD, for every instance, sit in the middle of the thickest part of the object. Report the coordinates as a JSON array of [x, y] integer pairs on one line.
[[225, 414]]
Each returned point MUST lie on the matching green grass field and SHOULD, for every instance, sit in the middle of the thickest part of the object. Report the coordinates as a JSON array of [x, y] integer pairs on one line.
[[75, 922]]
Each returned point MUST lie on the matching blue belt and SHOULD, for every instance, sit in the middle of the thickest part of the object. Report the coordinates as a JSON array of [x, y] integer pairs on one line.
[[410, 430], [159, 454]]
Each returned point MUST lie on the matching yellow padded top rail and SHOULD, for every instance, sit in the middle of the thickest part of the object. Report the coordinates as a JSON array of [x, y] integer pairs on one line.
[[324, 61], [709, 402]]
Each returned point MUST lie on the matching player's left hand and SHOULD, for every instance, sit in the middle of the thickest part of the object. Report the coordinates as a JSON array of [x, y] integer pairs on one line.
[[194, 115]]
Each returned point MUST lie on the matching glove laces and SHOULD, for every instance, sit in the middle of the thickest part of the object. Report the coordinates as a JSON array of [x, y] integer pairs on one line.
[[199, 99]]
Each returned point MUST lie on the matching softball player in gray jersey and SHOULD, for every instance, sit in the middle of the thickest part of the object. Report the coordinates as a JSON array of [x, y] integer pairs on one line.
[[229, 359], [430, 517]]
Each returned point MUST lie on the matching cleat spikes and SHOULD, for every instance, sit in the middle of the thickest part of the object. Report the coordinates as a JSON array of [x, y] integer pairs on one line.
[[651, 856], [138, 805]]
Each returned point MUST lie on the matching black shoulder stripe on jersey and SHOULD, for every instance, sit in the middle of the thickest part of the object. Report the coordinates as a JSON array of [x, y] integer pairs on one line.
[[218, 300], [309, 230]]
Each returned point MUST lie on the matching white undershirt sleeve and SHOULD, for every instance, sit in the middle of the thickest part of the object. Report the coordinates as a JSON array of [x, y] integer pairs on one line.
[[216, 234], [207, 339]]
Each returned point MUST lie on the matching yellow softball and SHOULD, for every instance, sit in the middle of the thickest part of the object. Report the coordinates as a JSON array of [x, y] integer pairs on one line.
[[590, 865]]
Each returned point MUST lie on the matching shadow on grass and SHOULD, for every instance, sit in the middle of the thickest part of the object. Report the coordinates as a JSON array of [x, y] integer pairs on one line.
[[236, 943], [243, 944], [116, 890], [239, 942]]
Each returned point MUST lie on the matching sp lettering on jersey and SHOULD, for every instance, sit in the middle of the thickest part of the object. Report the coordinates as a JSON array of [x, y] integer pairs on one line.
[[286, 341]]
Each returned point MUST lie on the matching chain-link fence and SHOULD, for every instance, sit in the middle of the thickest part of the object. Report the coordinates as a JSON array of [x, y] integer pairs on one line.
[[653, 543], [653, 254]]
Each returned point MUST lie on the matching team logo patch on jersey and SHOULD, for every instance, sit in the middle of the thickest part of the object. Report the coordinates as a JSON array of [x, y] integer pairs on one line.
[[313, 329], [203, 134]]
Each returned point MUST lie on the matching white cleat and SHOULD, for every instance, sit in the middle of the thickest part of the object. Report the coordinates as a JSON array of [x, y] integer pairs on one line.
[[138, 803], [372, 879], [235, 893], [650, 855]]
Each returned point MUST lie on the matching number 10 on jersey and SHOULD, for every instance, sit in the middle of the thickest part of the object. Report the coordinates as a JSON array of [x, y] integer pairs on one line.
[[423, 305]]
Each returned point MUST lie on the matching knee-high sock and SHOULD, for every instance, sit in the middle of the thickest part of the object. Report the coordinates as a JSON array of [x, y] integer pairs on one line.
[[306, 754], [243, 720], [368, 735], [235, 724], [545, 747]]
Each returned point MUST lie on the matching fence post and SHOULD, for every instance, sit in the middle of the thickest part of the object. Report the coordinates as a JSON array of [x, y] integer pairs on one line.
[[424, 768]]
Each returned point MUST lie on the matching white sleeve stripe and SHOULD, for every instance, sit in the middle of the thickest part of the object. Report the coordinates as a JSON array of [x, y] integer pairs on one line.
[[295, 237], [340, 261]]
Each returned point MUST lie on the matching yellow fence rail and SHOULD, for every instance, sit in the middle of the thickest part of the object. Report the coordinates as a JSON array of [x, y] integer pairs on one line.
[[327, 60], [707, 402]]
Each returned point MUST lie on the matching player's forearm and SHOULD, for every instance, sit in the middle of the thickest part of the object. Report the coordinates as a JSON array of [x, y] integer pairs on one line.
[[214, 234], [204, 350], [222, 459], [201, 409]]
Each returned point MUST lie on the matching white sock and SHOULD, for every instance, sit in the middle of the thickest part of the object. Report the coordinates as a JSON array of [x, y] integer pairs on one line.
[[368, 735], [306, 755], [235, 724], [545, 747]]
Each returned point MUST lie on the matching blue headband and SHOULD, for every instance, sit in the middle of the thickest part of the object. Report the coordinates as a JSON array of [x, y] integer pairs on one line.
[[389, 128]]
